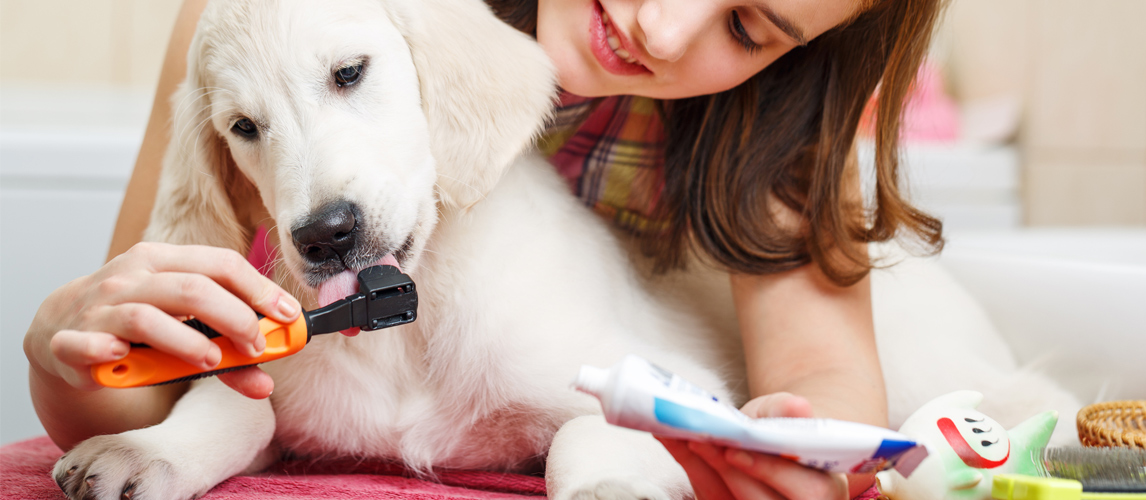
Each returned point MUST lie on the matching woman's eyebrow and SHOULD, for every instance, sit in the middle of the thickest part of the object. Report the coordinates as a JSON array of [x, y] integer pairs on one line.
[[788, 27]]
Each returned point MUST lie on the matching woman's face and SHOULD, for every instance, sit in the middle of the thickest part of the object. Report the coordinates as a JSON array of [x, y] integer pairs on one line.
[[670, 49]]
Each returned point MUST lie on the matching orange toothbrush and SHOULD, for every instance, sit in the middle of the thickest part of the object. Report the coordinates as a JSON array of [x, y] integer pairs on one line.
[[385, 298]]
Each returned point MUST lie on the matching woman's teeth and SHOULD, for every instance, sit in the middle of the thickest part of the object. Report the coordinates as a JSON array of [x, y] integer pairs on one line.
[[615, 41]]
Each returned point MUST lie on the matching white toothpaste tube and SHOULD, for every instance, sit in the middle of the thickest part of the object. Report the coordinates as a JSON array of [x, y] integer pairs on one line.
[[639, 395]]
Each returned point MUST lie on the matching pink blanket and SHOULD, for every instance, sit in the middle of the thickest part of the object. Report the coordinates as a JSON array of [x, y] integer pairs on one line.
[[25, 468]]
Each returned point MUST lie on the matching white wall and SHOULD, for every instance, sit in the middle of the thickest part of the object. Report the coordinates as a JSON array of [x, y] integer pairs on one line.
[[64, 161]]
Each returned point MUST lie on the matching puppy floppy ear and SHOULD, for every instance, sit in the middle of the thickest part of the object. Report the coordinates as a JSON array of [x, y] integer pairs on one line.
[[200, 188], [486, 90]]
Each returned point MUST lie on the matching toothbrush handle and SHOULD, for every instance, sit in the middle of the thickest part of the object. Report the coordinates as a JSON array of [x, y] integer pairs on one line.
[[145, 365]]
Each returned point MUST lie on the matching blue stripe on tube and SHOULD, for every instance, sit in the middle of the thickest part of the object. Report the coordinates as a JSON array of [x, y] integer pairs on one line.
[[691, 419], [891, 448]]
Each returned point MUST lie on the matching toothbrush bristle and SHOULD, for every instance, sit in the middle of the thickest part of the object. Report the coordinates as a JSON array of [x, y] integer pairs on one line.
[[1098, 469], [198, 376]]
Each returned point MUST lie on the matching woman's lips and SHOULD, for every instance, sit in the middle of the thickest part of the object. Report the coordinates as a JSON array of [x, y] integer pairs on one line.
[[599, 45]]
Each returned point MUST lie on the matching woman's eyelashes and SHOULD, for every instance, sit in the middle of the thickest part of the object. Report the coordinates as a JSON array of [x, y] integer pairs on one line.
[[740, 34]]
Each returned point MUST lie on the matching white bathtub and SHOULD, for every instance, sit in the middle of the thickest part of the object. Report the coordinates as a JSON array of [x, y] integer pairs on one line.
[[65, 157], [1072, 301]]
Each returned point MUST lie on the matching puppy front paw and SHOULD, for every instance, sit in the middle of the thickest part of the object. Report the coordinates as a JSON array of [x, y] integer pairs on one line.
[[116, 468], [590, 459], [618, 488]]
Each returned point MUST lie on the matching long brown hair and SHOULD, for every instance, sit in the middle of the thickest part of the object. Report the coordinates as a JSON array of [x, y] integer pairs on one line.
[[786, 136]]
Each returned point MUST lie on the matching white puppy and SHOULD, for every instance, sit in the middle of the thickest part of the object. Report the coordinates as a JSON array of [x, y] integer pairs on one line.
[[375, 131], [399, 116]]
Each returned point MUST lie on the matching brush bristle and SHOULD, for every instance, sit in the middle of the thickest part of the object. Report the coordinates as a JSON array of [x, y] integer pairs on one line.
[[198, 376], [1098, 469]]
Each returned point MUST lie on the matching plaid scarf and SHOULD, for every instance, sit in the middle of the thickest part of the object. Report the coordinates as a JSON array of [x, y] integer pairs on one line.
[[611, 152]]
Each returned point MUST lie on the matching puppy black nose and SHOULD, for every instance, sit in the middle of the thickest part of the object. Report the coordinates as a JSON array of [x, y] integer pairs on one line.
[[329, 233]]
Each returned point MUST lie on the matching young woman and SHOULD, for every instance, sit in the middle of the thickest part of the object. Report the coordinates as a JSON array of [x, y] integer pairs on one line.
[[738, 151]]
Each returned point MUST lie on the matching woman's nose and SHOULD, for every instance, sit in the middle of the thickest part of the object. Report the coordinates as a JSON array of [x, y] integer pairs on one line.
[[670, 26]]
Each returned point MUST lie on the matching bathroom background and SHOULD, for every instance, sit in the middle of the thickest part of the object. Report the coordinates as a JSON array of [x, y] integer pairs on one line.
[[1027, 136]]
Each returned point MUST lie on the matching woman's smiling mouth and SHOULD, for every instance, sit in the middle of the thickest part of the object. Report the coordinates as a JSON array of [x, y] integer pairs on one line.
[[609, 46]]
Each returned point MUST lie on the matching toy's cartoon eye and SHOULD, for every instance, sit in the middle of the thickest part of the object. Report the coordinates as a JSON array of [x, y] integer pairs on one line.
[[246, 128], [971, 420], [986, 443]]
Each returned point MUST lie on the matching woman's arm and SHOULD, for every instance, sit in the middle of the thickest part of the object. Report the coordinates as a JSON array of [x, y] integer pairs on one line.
[[810, 349], [807, 336], [132, 299], [135, 212]]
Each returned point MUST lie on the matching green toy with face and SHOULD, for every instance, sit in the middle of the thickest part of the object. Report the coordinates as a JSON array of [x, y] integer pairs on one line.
[[966, 449]]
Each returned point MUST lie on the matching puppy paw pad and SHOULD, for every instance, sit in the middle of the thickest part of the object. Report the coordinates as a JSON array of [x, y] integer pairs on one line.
[[112, 468], [621, 489]]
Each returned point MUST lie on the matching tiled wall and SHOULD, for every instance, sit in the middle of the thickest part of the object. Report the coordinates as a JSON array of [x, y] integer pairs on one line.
[[1079, 65]]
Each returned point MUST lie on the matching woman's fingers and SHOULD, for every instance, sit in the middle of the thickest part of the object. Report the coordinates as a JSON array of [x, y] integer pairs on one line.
[[251, 382], [741, 485], [216, 285], [188, 294], [718, 473], [778, 404], [788, 478], [706, 482], [141, 296], [145, 323], [76, 348], [225, 267], [79, 350], [782, 478]]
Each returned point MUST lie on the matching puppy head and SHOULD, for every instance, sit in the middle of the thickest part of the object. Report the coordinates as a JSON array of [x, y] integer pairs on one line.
[[352, 119]]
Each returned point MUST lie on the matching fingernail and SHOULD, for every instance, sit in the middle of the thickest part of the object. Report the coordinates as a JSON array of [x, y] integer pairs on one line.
[[260, 345], [119, 349], [740, 458], [288, 307], [214, 356], [700, 447]]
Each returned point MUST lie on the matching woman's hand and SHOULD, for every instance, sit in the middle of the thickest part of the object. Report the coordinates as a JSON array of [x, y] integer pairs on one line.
[[719, 473], [141, 296]]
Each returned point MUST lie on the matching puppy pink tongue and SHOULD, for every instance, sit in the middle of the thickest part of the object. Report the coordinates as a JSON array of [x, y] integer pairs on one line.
[[337, 287], [345, 283], [388, 260]]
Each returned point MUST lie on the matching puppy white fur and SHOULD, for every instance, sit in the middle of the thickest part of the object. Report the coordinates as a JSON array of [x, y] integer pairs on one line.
[[518, 283]]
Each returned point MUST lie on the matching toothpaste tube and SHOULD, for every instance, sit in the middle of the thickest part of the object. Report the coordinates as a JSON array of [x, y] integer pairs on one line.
[[639, 395]]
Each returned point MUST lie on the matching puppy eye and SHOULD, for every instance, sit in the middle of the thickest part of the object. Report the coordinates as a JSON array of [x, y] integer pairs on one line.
[[347, 76], [246, 128]]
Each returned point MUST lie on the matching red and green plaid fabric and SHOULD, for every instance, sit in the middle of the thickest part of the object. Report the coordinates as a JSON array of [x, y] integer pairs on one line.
[[611, 152]]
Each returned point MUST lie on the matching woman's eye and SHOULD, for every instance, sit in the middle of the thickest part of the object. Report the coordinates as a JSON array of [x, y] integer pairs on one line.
[[348, 75], [741, 35], [246, 128]]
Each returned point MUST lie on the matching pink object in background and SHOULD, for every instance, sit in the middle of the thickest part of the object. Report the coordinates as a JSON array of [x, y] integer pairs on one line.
[[262, 254], [929, 115]]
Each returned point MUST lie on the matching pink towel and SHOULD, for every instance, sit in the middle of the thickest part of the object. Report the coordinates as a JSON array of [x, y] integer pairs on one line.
[[25, 467]]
